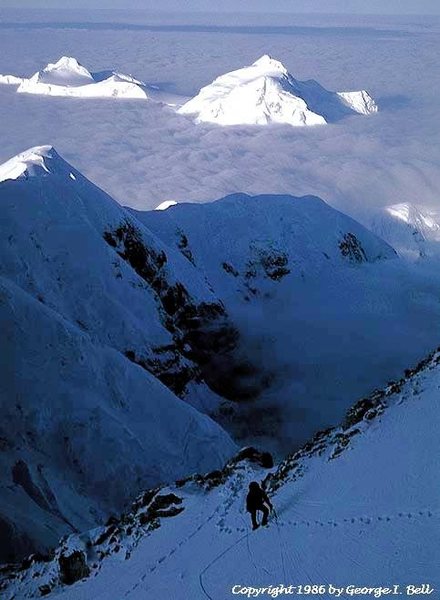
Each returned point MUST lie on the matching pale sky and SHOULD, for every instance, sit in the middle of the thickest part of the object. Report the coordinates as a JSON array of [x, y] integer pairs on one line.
[[292, 6]]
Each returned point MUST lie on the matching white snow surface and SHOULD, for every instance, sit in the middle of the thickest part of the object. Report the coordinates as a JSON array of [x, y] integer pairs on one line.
[[166, 204], [29, 163], [82, 425], [414, 231], [361, 102], [359, 507], [10, 80], [66, 71], [266, 92], [67, 77]]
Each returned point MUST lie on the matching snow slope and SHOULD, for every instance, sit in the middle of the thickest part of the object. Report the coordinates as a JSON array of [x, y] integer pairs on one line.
[[166, 204], [31, 163], [356, 506], [266, 92], [10, 80], [301, 279], [67, 77], [411, 230], [95, 314], [245, 298]]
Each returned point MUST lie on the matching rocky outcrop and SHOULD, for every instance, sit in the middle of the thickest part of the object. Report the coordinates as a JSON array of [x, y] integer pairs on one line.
[[80, 556], [333, 442], [73, 567], [204, 338], [351, 248]]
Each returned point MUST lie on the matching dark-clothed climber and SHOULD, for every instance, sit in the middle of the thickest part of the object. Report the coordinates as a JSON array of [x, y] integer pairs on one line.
[[257, 499]]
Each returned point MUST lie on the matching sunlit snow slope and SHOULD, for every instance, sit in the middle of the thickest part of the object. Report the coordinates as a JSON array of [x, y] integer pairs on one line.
[[413, 231], [266, 92], [67, 77], [359, 505]]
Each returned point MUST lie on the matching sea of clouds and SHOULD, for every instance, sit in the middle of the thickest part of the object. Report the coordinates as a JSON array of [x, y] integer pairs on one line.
[[143, 154]]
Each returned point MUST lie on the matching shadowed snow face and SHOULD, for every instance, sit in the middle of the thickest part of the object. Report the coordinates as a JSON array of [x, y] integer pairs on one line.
[[144, 154]]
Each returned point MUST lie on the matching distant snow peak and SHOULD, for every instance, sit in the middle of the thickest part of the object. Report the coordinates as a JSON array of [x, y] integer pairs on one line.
[[10, 80], [34, 162], [68, 78], [265, 92], [166, 204], [66, 71], [270, 65]]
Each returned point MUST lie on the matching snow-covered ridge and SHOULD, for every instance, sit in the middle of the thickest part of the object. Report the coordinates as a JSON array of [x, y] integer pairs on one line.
[[266, 92], [10, 80], [104, 306], [166, 204], [67, 77], [128, 323], [249, 242], [39, 161], [330, 504]]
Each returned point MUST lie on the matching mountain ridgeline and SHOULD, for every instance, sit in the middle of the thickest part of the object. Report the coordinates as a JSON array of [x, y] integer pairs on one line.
[[333, 518], [141, 347]]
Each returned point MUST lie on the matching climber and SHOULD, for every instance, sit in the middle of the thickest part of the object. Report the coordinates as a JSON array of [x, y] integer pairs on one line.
[[257, 499]]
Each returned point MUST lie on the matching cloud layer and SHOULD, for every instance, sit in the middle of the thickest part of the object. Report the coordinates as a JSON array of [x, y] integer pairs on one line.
[[144, 154]]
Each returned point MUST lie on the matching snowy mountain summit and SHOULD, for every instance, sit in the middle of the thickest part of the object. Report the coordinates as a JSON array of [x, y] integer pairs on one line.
[[67, 77], [265, 92], [35, 162], [66, 71], [106, 304]]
